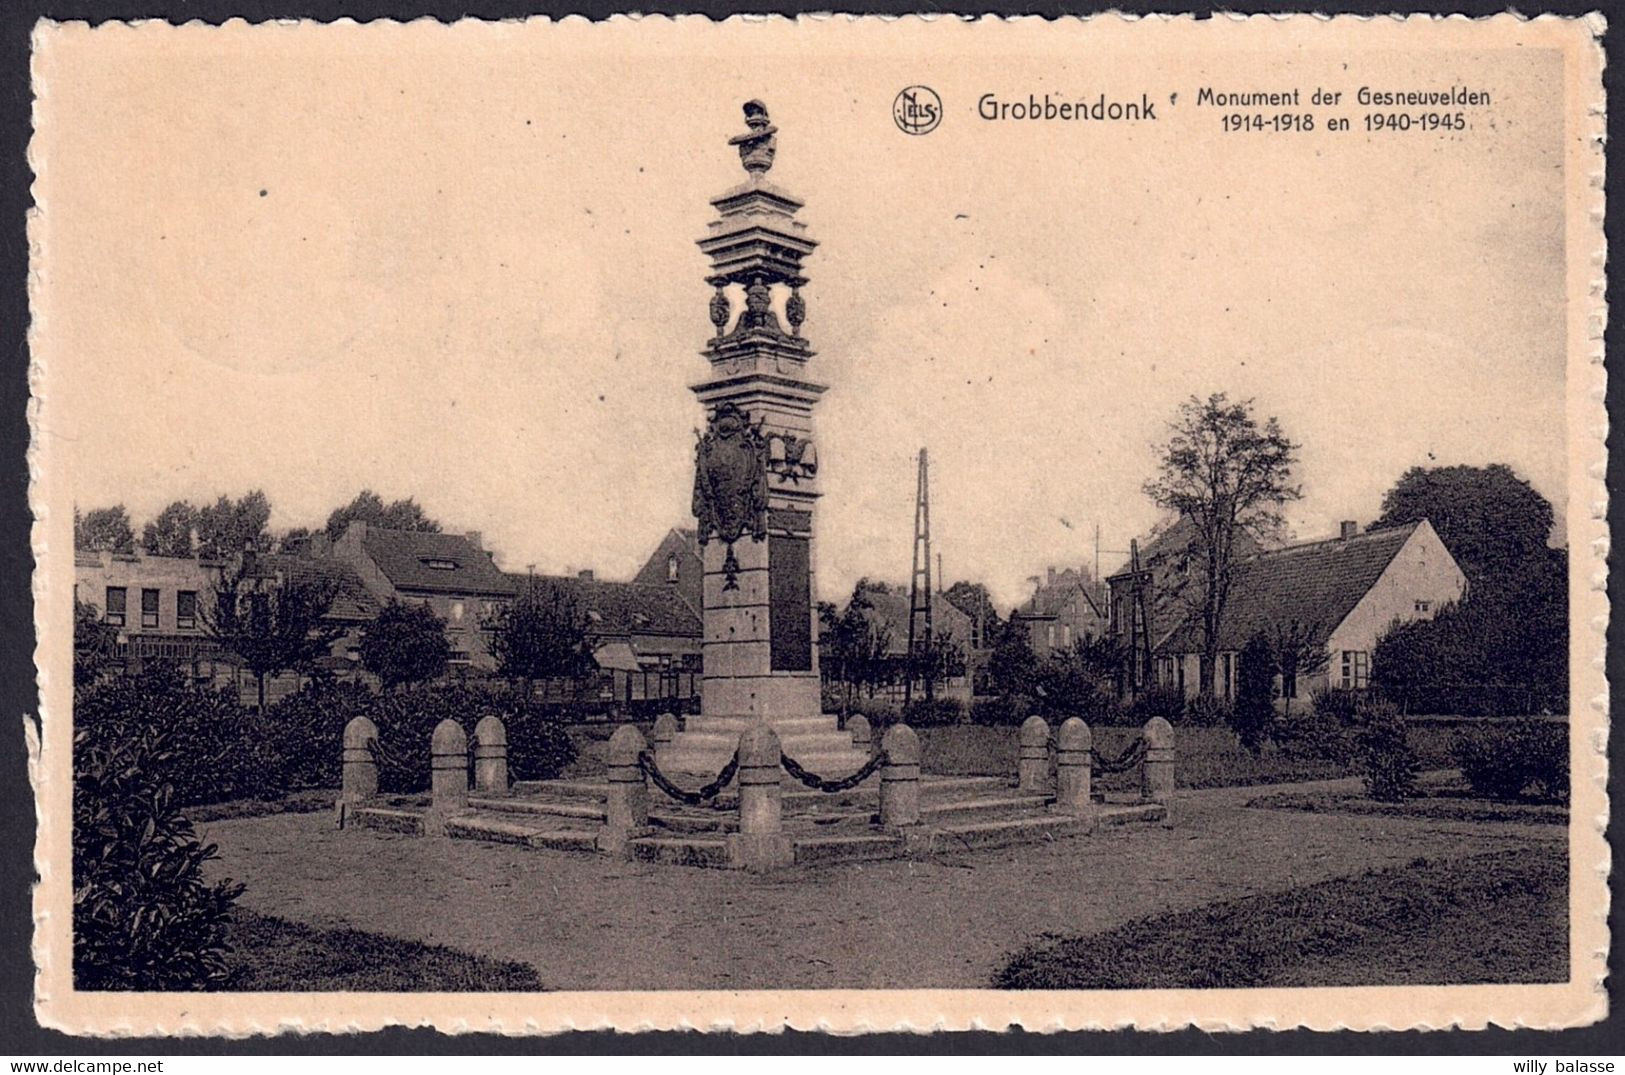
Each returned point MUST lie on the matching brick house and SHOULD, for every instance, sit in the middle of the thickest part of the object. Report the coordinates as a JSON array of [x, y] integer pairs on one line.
[[676, 563], [1067, 606], [1343, 593], [451, 573]]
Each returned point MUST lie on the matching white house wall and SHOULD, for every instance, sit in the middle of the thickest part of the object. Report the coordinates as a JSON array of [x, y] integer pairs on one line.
[[1422, 571]]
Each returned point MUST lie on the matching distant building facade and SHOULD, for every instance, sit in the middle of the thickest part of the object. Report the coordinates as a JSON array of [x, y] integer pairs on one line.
[[1342, 594], [1067, 606], [676, 564]]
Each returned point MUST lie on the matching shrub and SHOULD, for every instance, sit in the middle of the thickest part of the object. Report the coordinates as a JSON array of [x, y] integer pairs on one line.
[[1253, 714], [1003, 710], [1387, 763], [1160, 701], [538, 747], [406, 643], [216, 757], [143, 917], [1314, 734], [1338, 706], [1206, 710], [935, 713], [303, 733], [1509, 761]]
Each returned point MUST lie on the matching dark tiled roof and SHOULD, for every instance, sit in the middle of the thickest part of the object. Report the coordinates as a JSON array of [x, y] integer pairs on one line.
[[1050, 600], [352, 603], [406, 557], [1317, 584], [622, 608], [890, 610]]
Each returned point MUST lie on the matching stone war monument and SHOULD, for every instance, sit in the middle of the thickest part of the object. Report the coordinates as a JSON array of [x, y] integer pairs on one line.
[[756, 485]]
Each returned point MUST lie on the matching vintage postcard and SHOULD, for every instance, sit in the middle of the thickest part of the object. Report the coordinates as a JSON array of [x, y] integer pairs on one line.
[[836, 523]]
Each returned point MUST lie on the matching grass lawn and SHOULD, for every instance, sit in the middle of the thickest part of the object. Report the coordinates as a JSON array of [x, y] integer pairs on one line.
[[1435, 803], [275, 955], [1499, 917], [1206, 757]]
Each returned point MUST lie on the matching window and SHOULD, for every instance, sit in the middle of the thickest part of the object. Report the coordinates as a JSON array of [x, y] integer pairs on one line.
[[1049, 635], [115, 605], [441, 565], [186, 610], [1227, 666], [1356, 669], [457, 612], [458, 656], [671, 568], [1424, 606], [1066, 634], [149, 608]]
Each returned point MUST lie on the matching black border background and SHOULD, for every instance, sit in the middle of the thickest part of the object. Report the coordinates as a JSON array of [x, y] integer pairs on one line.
[[19, 1032]]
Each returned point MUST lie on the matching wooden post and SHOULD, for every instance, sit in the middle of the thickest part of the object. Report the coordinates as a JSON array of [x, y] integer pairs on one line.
[[900, 778], [1032, 766], [448, 774], [359, 781], [1073, 767], [760, 844], [491, 756], [863, 736], [626, 806], [1157, 771]]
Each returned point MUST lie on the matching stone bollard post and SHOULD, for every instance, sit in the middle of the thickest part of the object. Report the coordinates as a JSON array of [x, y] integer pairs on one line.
[[1157, 771], [360, 768], [1032, 766], [760, 843], [626, 807], [665, 730], [1073, 767], [448, 774], [900, 778], [491, 756], [863, 736]]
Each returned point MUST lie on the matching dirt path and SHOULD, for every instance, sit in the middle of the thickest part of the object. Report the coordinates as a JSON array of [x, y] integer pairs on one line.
[[590, 923]]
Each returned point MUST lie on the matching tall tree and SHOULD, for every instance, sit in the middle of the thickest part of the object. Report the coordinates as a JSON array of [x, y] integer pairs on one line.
[[103, 530], [406, 643], [1490, 519], [1229, 476], [368, 507], [170, 531], [540, 634], [227, 527], [270, 624], [1299, 652], [93, 642]]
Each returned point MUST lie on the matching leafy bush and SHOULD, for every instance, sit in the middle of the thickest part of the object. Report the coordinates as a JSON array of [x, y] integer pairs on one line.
[[1253, 715], [1315, 734], [1339, 706], [1160, 701], [143, 916], [935, 713], [217, 757], [538, 747], [1528, 757], [1001, 711], [304, 732], [1387, 763], [1206, 710]]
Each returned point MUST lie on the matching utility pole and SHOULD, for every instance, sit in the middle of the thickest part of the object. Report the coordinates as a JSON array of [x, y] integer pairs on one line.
[[919, 596]]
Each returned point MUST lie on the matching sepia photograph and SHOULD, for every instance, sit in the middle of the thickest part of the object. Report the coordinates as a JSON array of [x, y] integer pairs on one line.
[[823, 523]]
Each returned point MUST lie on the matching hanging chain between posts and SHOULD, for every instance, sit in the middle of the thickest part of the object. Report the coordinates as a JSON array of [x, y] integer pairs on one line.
[[846, 783], [646, 762], [1125, 761], [1131, 756]]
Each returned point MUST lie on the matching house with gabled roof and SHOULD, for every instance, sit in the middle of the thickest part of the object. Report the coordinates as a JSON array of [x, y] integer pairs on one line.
[[1342, 594], [1067, 606], [676, 564], [454, 574]]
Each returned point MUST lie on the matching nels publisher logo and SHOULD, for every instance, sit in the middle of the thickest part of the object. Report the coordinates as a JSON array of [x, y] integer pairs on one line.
[[917, 110]]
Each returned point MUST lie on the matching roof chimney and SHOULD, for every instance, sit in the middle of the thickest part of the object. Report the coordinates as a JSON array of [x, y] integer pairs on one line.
[[476, 539], [1347, 529], [585, 575], [1050, 572]]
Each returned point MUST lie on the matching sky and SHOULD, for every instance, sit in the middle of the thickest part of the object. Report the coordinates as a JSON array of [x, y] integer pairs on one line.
[[461, 267]]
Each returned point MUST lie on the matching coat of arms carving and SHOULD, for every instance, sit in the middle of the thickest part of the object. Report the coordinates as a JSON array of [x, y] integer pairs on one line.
[[730, 482]]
